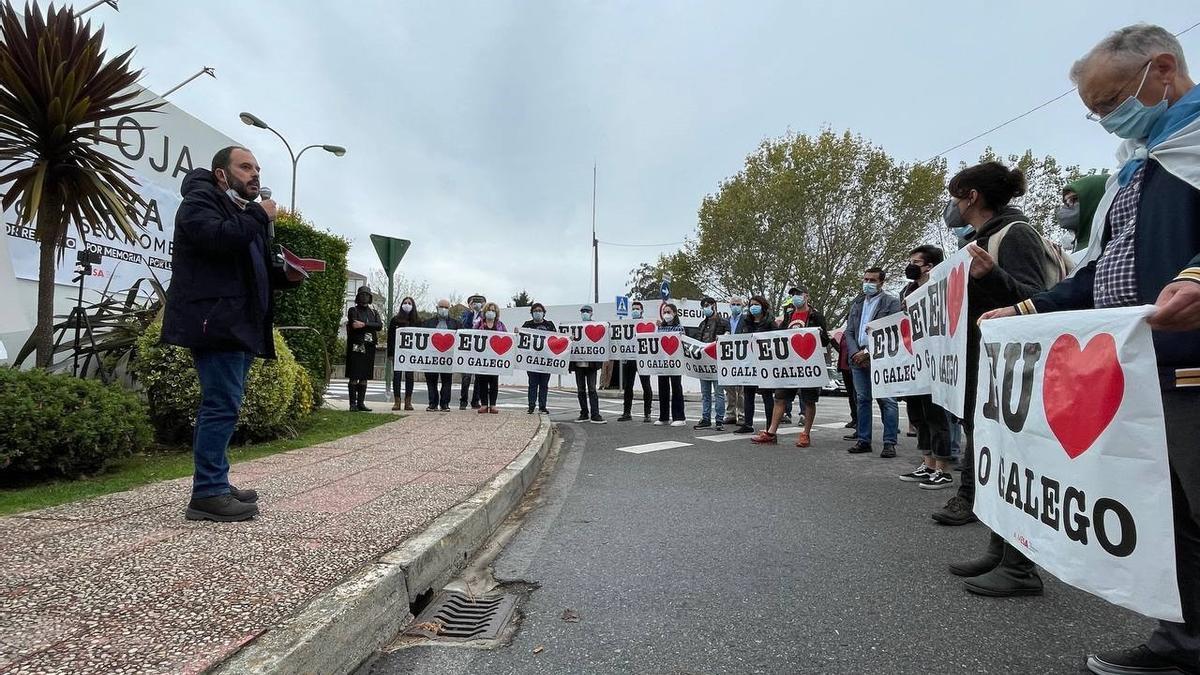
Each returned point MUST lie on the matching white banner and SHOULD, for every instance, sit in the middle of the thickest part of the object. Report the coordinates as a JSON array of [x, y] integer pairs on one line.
[[622, 337], [1071, 453], [541, 352], [774, 359], [485, 352], [700, 359], [660, 354], [589, 341], [424, 350], [938, 311], [896, 370]]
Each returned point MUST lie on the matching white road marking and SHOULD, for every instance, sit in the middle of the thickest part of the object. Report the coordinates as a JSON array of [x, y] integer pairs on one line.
[[653, 447]]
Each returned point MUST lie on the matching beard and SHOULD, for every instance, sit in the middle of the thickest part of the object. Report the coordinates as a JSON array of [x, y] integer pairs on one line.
[[247, 191]]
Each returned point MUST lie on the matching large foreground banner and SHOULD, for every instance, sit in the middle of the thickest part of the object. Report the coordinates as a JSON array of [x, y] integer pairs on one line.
[[589, 341], [938, 311], [622, 337], [774, 359], [896, 370], [700, 359], [485, 352], [542, 352], [660, 354], [1071, 453], [424, 350]]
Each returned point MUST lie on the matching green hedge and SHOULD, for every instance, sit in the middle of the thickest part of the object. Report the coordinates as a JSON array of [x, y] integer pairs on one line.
[[279, 393], [57, 425], [319, 301]]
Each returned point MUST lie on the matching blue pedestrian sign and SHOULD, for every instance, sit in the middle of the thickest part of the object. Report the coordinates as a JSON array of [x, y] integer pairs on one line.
[[665, 291], [622, 306]]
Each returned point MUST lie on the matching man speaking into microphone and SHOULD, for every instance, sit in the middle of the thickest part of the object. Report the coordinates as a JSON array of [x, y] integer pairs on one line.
[[220, 306]]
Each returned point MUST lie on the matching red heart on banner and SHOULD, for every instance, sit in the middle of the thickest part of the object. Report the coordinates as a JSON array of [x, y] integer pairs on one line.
[[670, 344], [1082, 390], [906, 334], [501, 343], [595, 331], [557, 344], [804, 344], [956, 292], [442, 341], [711, 350], [644, 327]]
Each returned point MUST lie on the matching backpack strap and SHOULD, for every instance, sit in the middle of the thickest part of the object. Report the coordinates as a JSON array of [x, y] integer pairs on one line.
[[993, 244]]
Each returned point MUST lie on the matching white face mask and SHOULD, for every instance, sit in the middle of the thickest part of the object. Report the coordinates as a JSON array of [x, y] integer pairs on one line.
[[668, 317], [406, 308]]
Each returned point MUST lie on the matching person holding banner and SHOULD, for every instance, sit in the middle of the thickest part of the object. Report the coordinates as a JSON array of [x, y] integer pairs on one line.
[[733, 395], [586, 373], [1145, 249], [808, 395], [362, 326], [711, 326], [439, 383], [757, 321], [405, 318], [670, 387], [539, 383], [470, 319], [489, 385], [629, 373], [873, 303]]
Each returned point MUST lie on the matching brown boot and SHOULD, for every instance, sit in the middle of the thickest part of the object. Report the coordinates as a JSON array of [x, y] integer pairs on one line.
[[408, 402], [396, 404]]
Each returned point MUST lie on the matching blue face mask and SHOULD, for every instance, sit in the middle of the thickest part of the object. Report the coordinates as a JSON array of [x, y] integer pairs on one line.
[[637, 314], [735, 310], [1132, 120], [797, 301], [963, 232], [538, 316], [870, 288], [490, 316], [755, 310], [708, 311], [585, 316]]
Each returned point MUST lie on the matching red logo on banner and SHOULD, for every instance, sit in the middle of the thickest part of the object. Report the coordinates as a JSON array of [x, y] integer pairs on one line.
[[1082, 390], [557, 344], [442, 341], [957, 291], [804, 344], [644, 327], [906, 334], [501, 343], [711, 350], [595, 332], [670, 344]]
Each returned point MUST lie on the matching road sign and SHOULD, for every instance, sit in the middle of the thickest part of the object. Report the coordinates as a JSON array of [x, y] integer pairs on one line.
[[622, 306], [665, 290], [390, 250]]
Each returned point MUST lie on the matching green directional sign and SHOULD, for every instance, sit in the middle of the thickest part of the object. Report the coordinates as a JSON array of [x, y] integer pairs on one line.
[[390, 250]]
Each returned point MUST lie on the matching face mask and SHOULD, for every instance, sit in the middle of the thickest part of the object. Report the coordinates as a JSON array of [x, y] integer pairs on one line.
[[963, 231], [798, 301], [637, 314], [755, 310], [1068, 218], [912, 271], [870, 288], [1132, 120], [585, 316], [406, 308], [490, 316], [668, 317], [735, 310], [538, 316], [708, 311], [476, 306], [362, 300], [952, 216], [443, 312]]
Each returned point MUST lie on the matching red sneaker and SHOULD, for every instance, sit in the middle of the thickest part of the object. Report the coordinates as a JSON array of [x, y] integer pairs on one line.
[[764, 438]]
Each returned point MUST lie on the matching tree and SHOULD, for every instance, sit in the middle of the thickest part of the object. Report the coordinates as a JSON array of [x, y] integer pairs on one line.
[[1046, 179], [814, 210], [645, 280], [402, 287], [56, 87], [521, 299]]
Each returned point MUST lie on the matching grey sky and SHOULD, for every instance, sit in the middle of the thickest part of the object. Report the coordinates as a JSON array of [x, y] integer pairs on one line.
[[472, 127]]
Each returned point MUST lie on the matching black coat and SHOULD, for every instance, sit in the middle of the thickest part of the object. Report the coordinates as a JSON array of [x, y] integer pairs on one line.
[[399, 321], [451, 323], [220, 295], [544, 324]]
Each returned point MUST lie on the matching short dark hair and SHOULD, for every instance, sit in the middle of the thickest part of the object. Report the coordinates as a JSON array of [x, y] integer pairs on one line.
[[796, 290], [996, 183], [222, 158], [876, 270], [637, 303], [932, 255], [708, 301], [536, 306]]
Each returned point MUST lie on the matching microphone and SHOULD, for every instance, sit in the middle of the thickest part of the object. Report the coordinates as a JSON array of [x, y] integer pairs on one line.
[[264, 193]]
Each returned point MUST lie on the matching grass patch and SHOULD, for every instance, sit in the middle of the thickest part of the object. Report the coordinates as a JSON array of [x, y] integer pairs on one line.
[[167, 463]]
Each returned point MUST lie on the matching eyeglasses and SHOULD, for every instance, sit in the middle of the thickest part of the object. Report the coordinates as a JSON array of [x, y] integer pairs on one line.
[[1106, 107]]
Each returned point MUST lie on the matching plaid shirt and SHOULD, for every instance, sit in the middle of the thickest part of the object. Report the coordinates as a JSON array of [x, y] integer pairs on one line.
[[1116, 279]]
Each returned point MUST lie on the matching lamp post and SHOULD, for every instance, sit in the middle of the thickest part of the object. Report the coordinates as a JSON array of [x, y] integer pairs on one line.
[[94, 5], [335, 150]]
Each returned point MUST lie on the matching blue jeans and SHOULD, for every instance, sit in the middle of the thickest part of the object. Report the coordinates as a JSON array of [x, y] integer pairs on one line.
[[887, 407], [955, 436], [706, 401], [222, 385], [539, 386]]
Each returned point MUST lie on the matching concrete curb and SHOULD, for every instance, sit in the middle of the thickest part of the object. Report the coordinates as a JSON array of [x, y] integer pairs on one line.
[[344, 626]]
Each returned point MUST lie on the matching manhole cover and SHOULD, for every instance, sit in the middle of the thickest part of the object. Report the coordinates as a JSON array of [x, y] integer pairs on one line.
[[459, 617]]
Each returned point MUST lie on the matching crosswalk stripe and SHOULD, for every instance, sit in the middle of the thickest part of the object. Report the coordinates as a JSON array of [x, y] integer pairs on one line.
[[653, 447]]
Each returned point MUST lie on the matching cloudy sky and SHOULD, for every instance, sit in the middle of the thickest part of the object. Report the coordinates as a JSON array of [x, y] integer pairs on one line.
[[472, 126]]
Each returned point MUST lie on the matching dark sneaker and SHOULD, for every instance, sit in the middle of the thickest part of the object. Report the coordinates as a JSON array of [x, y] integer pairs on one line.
[[647, 419], [744, 430], [859, 449], [221, 508], [462, 406], [731, 421], [957, 511], [704, 424], [851, 425], [918, 476], [529, 411], [889, 451], [445, 408], [432, 408], [850, 437], [719, 427], [787, 419], [598, 420], [625, 418], [543, 411], [583, 417], [1006, 581], [938, 480], [243, 495], [1137, 660]]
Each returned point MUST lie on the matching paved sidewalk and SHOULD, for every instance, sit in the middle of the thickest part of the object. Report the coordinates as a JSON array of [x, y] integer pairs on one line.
[[123, 584]]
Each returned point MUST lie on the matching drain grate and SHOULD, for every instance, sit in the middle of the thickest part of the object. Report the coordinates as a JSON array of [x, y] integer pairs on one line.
[[459, 617]]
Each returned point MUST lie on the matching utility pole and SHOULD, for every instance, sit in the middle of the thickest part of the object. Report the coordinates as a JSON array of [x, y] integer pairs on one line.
[[595, 243]]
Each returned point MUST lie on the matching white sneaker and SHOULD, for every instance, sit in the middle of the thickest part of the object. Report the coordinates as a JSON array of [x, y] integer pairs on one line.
[[659, 423], [938, 480], [679, 423]]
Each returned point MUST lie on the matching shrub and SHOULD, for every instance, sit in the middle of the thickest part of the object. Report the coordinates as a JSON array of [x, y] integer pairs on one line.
[[279, 393], [62, 426], [318, 302]]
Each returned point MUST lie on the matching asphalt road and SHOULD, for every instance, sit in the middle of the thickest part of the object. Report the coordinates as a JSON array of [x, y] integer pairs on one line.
[[724, 557]]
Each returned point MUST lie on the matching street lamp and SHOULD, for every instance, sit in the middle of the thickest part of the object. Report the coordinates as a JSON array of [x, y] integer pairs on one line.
[[335, 150], [94, 5]]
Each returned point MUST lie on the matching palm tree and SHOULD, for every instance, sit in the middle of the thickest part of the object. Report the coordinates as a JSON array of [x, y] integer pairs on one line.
[[56, 88]]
